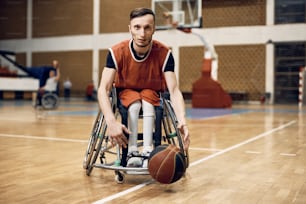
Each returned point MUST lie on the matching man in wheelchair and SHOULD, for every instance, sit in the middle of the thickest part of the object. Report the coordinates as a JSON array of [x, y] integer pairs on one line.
[[140, 69], [50, 86]]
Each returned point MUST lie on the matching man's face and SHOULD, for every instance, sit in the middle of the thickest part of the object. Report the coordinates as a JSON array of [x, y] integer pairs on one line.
[[51, 73], [142, 29]]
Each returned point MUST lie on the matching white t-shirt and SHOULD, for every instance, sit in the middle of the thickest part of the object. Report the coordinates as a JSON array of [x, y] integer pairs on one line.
[[51, 84], [67, 84]]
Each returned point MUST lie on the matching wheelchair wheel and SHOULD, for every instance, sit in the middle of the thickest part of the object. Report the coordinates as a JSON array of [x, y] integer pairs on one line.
[[98, 141], [119, 177], [95, 143], [49, 101], [173, 135], [92, 140]]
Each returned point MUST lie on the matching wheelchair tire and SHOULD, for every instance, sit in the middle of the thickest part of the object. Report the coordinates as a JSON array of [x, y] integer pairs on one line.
[[95, 143], [49, 101], [98, 141], [173, 135]]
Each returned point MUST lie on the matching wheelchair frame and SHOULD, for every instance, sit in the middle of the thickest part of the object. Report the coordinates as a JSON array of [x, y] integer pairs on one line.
[[49, 101], [100, 146]]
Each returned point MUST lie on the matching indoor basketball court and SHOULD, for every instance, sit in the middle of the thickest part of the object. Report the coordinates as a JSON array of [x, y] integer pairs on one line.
[[257, 155], [244, 93]]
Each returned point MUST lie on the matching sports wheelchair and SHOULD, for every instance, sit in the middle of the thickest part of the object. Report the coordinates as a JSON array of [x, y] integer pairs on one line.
[[48, 100], [114, 158]]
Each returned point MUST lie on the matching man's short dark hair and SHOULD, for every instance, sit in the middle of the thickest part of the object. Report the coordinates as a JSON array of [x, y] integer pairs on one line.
[[138, 12]]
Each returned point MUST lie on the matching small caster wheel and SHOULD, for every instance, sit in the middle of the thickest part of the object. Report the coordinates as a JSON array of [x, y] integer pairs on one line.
[[84, 165], [88, 170], [119, 178]]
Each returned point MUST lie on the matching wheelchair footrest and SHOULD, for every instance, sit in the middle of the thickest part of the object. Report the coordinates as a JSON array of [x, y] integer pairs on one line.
[[127, 170]]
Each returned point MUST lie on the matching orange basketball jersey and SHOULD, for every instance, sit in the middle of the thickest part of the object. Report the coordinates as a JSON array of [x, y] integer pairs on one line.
[[141, 74], [140, 79]]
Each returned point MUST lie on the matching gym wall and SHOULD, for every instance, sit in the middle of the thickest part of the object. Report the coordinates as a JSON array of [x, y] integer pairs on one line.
[[233, 13], [59, 18], [114, 15], [13, 26], [75, 65], [54, 18]]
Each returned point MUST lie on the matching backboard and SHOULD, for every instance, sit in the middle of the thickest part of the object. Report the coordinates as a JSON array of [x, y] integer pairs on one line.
[[177, 13]]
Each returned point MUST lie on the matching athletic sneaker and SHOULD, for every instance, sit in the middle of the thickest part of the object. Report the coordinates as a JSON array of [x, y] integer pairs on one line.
[[134, 159], [145, 157]]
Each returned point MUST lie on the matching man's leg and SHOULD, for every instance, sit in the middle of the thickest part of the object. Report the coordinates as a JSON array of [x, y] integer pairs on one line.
[[39, 96], [148, 122], [133, 114]]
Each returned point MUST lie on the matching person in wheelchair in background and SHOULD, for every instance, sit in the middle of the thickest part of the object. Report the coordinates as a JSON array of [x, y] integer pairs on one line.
[[51, 84], [140, 69]]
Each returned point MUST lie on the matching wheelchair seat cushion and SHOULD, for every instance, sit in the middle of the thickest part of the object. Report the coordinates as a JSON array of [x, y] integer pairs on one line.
[[128, 96]]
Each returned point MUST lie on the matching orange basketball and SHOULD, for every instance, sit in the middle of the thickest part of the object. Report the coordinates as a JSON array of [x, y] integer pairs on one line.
[[166, 164]]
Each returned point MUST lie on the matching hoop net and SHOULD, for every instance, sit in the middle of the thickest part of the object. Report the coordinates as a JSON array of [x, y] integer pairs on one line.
[[302, 87], [175, 24]]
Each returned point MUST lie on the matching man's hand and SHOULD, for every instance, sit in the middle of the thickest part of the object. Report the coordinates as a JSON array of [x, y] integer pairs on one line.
[[116, 132], [185, 133]]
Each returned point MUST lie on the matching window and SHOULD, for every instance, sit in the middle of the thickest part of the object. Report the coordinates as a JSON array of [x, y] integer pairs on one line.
[[289, 57], [290, 11]]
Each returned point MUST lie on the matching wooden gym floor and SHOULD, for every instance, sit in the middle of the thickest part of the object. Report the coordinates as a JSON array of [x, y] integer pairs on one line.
[[247, 154]]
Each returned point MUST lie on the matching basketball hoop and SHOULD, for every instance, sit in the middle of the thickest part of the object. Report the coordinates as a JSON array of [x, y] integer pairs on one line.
[[185, 30], [174, 24], [169, 20], [184, 13]]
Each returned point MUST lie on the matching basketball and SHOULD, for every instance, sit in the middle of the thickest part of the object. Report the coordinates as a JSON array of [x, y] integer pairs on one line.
[[166, 164]]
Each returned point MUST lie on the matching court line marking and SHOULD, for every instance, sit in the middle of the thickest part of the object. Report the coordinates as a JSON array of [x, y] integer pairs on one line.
[[130, 190], [205, 149], [287, 154], [122, 193], [243, 143], [217, 116], [44, 119], [43, 138], [252, 152], [83, 141]]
